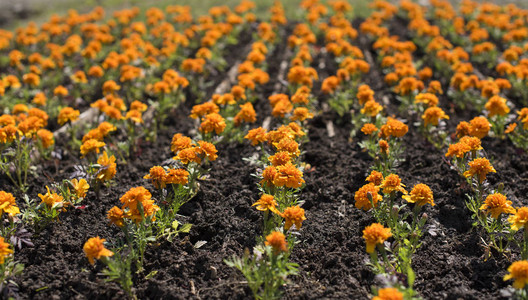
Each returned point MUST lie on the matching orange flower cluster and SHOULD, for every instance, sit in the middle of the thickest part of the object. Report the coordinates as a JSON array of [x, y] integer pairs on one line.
[[187, 150], [161, 177]]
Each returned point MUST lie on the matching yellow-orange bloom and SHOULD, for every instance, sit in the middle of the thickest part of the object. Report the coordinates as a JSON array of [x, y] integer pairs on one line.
[[369, 129], [67, 114], [394, 128], [50, 198], [293, 216], [519, 219], [280, 158], [107, 170], [177, 176], [432, 115], [188, 155], [421, 195], [116, 216], [180, 142], [428, 98], [479, 127], [208, 150], [5, 251], [496, 105], [277, 241], [80, 187], [375, 177], [256, 136], [392, 183], [364, 193], [288, 175], [90, 146], [94, 248], [8, 204], [265, 203], [388, 294], [46, 138], [268, 175], [157, 174], [479, 167], [518, 272], [213, 122], [375, 234], [497, 204]]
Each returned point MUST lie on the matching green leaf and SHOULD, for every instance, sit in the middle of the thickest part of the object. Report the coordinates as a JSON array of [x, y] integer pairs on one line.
[[186, 228]]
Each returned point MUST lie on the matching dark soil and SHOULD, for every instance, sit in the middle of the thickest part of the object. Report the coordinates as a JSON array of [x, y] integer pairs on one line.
[[331, 252]]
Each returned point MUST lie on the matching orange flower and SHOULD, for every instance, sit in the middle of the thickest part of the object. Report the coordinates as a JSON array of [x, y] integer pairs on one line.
[[288, 175], [8, 204], [301, 114], [479, 167], [116, 216], [519, 219], [280, 158], [256, 136], [472, 142], [394, 128], [213, 122], [67, 114], [107, 170], [375, 178], [364, 193], [496, 105], [462, 129], [265, 203], [208, 149], [432, 115], [388, 294], [375, 234], [4, 250], [277, 241], [421, 195], [427, 98], [384, 147], [180, 142], [293, 216], [519, 272], [369, 128], [80, 187], [157, 174], [458, 150], [288, 145], [50, 198], [133, 196], [46, 138], [371, 108], [479, 127], [268, 175], [94, 248], [177, 176], [497, 204], [188, 155], [60, 91], [246, 114], [392, 183], [90, 146]]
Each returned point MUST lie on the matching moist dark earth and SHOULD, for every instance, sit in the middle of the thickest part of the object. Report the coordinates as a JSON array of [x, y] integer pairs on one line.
[[330, 252]]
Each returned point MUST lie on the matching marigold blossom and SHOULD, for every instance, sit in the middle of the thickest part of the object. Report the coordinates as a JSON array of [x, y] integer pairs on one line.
[[497, 204], [388, 294], [479, 167], [265, 203], [288, 175], [364, 193], [375, 234], [8, 204], [518, 271], [80, 187], [293, 216], [392, 183], [277, 241], [5, 251], [519, 219], [50, 198], [94, 249], [421, 195]]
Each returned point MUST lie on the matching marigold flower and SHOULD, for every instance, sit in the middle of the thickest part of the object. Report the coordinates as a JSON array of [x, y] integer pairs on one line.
[[472, 142], [293, 216], [50, 198], [392, 183], [369, 128], [107, 170], [135, 116], [8, 204], [188, 155], [301, 114], [177, 176], [432, 115], [496, 105], [246, 114], [256, 136], [510, 128], [497, 204], [375, 234], [277, 241], [67, 114], [364, 193], [288, 145], [180, 142], [479, 167], [375, 177], [4, 250], [80, 187], [388, 294], [207, 149], [519, 219], [213, 122], [90, 146], [371, 108], [394, 128], [519, 272], [46, 138], [421, 195], [157, 174], [288, 175], [384, 147], [462, 129], [479, 127], [265, 203], [134, 195], [116, 216], [149, 209], [105, 128], [268, 175], [280, 158], [296, 129], [138, 105], [427, 98], [60, 91], [203, 109], [94, 248]]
